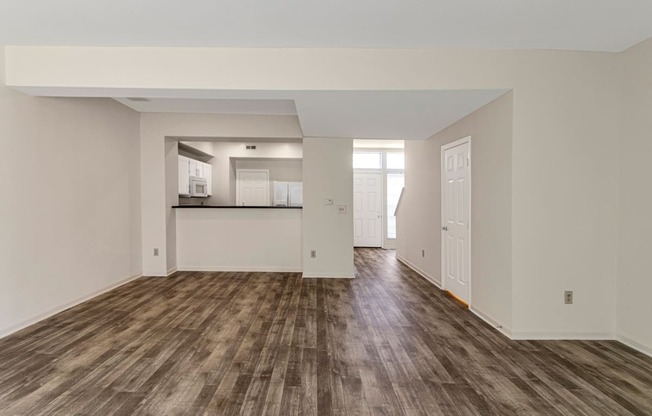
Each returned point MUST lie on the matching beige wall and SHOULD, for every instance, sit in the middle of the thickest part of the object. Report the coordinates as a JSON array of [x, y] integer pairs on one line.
[[635, 201], [490, 129], [565, 135], [70, 211], [327, 174], [564, 186]]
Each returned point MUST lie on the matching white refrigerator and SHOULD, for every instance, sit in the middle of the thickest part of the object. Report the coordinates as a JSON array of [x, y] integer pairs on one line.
[[288, 194]]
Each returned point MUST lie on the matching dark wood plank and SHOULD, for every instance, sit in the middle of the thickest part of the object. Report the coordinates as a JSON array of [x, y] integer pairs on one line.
[[385, 343]]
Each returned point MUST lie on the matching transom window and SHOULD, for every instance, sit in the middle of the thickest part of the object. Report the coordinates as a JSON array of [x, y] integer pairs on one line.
[[368, 160]]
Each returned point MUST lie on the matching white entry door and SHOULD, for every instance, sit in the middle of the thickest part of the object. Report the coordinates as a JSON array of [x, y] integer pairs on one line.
[[367, 209], [456, 212], [252, 187]]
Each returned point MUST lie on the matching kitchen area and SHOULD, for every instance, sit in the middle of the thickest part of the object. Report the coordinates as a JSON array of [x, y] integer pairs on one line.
[[239, 205]]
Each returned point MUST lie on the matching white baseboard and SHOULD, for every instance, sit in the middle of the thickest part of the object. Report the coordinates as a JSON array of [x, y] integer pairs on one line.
[[427, 276], [270, 269], [328, 275], [624, 339], [154, 274], [22, 325], [566, 336], [172, 271], [505, 330]]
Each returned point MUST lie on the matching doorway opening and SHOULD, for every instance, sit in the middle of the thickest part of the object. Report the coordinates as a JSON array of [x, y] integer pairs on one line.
[[378, 176]]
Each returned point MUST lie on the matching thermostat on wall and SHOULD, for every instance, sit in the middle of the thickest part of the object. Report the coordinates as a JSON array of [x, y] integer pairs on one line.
[[328, 202]]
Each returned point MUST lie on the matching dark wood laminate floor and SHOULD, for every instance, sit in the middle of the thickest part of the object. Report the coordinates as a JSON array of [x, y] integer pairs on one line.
[[386, 343]]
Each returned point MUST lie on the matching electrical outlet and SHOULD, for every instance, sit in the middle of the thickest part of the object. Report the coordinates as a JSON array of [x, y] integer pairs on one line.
[[423, 253], [156, 252], [313, 254], [568, 297]]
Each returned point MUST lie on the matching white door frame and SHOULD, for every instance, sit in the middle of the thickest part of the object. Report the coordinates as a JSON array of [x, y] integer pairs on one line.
[[237, 183], [442, 220]]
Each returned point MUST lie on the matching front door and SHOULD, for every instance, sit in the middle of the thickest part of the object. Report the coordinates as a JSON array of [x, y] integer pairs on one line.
[[456, 213], [367, 209], [252, 187]]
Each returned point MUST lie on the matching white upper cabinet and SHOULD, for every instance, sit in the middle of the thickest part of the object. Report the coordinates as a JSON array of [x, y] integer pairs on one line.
[[208, 174], [191, 167], [195, 167], [184, 176]]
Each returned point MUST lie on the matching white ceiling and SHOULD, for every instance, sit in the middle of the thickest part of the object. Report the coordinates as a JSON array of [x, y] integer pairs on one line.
[[219, 106], [386, 114], [397, 115], [604, 25]]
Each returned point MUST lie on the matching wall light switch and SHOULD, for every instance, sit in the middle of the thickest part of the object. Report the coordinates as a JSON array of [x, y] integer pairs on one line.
[[328, 202], [341, 209]]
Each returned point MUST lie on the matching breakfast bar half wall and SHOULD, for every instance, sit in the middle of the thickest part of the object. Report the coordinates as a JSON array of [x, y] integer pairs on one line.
[[220, 238]]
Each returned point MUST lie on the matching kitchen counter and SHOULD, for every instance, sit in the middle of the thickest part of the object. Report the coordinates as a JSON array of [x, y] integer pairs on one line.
[[233, 206], [267, 239]]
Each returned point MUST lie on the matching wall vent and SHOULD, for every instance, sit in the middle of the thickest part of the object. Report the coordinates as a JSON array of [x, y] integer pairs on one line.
[[251, 147]]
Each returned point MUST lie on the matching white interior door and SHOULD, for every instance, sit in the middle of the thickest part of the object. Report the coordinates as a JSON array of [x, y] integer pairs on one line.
[[367, 209], [252, 187], [456, 212]]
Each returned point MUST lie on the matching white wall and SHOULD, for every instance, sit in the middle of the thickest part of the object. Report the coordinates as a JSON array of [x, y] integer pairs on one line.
[[327, 174], [635, 201], [282, 170], [236, 239], [226, 153], [565, 135], [70, 211], [158, 216], [419, 222]]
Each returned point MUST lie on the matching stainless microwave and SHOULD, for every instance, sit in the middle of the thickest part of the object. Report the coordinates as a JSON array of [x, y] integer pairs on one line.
[[198, 187]]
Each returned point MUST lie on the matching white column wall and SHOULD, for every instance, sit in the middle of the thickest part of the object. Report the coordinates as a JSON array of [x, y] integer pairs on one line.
[[328, 174]]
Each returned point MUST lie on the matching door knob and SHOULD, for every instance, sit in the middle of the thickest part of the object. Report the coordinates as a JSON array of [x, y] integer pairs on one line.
[[445, 228]]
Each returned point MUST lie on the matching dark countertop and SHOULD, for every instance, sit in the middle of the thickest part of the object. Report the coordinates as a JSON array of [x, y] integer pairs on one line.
[[232, 206]]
